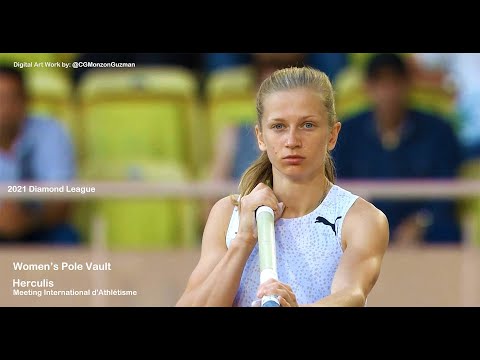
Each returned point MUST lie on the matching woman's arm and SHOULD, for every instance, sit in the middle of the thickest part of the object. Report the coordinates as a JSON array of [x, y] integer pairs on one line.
[[215, 280], [365, 236]]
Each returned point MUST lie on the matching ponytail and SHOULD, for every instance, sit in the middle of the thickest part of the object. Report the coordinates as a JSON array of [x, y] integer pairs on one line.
[[259, 171], [329, 168]]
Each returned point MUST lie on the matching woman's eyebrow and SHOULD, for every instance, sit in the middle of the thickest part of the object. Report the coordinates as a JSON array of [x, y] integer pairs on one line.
[[302, 118]]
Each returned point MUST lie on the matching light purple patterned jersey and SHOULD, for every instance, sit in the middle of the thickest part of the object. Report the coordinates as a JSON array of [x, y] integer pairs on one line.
[[308, 249]]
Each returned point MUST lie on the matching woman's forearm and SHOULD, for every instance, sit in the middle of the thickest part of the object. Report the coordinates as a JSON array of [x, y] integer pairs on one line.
[[346, 297], [221, 285]]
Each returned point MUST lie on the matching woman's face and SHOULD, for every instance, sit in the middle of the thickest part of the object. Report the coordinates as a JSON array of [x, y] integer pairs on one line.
[[295, 133]]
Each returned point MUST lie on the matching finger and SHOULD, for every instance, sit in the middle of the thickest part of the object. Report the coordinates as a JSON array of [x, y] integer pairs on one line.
[[279, 212], [283, 302], [275, 290], [279, 289], [263, 286], [267, 287], [272, 202], [288, 287], [258, 200], [268, 198], [259, 186], [272, 284], [269, 203]]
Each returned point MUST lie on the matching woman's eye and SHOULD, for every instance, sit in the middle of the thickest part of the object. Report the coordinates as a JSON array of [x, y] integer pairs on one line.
[[278, 126], [308, 125]]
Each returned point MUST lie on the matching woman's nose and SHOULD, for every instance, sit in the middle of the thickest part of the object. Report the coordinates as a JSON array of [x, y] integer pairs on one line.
[[293, 140]]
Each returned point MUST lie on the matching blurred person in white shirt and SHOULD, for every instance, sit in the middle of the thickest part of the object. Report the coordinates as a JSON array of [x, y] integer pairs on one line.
[[462, 71]]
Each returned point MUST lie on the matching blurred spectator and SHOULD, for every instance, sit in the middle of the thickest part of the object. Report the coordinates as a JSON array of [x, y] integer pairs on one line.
[[392, 142], [462, 71], [221, 61], [31, 149], [330, 63]]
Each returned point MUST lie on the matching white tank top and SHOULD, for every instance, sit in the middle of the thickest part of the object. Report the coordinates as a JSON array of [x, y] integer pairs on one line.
[[308, 250]]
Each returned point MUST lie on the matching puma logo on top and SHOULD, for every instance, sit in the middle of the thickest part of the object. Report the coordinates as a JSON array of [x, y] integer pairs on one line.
[[326, 222]]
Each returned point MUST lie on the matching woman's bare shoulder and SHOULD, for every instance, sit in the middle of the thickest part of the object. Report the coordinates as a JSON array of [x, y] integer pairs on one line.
[[221, 212], [364, 211], [367, 223], [226, 203]]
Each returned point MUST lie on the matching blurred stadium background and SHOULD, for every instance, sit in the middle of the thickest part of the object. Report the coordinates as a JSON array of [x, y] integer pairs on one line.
[[145, 137]]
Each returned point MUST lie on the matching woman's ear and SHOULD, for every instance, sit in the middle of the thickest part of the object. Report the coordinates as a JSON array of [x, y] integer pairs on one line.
[[259, 134], [332, 141]]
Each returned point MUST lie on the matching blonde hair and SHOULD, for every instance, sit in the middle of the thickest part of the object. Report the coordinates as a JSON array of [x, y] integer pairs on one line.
[[287, 79]]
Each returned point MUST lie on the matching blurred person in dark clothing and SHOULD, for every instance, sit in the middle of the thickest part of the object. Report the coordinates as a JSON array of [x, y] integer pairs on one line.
[[32, 149], [330, 63], [393, 141]]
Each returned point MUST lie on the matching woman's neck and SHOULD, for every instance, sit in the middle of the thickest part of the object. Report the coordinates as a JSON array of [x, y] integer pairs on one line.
[[300, 198]]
